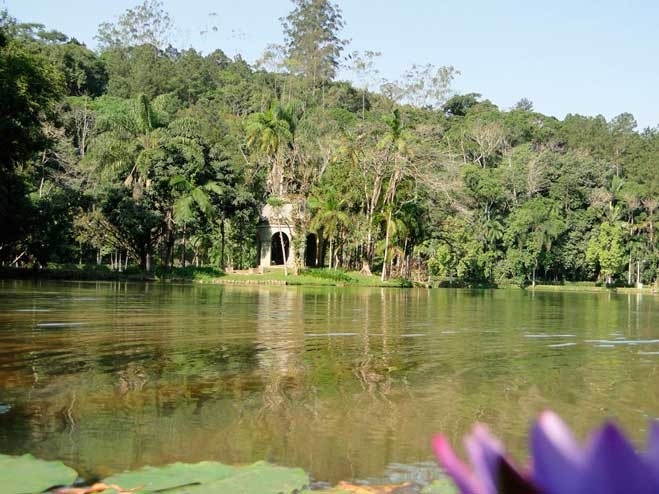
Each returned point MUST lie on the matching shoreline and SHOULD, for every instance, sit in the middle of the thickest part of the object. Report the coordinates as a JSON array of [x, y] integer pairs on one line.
[[314, 278]]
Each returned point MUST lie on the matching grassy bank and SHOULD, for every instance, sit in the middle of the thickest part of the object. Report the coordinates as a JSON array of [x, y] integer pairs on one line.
[[275, 276], [593, 287]]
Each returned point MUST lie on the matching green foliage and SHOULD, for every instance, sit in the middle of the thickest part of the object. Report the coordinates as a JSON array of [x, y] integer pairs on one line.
[[460, 104], [329, 274], [606, 251], [133, 225], [29, 89], [83, 71]]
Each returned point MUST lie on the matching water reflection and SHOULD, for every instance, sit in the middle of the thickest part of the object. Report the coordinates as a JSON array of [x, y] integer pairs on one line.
[[347, 383]]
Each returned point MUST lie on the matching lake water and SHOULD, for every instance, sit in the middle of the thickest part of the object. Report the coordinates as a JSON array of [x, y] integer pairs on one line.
[[345, 383]]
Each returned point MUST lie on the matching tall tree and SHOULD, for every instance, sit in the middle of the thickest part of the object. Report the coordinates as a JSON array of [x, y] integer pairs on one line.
[[148, 23], [312, 39]]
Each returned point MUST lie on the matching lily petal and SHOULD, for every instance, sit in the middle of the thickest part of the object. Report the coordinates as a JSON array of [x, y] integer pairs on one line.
[[613, 467], [557, 458], [455, 468], [653, 448], [485, 453]]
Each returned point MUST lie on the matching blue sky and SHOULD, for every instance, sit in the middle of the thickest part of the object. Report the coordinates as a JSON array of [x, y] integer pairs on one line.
[[567, 56]]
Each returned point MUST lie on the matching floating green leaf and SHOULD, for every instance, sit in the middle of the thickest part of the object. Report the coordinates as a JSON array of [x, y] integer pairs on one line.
[[171, 476], [213, 478], [26, 474]]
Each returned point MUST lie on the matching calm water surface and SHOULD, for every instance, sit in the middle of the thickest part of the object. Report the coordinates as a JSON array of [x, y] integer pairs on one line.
[[346, 383]]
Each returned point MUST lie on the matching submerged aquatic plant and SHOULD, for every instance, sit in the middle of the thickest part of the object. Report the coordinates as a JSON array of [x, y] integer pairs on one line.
[[607, 464]]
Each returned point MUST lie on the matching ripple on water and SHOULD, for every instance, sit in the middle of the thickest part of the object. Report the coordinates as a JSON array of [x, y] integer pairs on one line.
[[59, 324], [547, 335], [561, 345], [623, 342], [319, 335]]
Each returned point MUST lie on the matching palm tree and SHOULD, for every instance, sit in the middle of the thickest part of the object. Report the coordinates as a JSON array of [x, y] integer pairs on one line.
[[328, 218], [269, 134], [125, 147], [494, 231], [192, 197], [547, 229]]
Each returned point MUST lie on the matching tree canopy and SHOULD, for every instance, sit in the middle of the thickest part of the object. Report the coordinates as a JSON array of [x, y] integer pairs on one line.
[[146, 155]]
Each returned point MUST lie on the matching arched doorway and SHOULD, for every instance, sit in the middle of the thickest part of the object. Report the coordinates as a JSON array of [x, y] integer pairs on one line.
[[311, 251], [279, 256]]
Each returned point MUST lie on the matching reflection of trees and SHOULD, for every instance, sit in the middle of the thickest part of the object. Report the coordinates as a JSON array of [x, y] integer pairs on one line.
[[280, 342]]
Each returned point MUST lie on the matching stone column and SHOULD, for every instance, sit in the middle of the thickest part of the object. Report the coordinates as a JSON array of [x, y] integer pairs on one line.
[[265, 237]]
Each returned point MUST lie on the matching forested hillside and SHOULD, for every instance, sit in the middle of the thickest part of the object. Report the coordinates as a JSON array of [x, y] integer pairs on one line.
[[143, 155]]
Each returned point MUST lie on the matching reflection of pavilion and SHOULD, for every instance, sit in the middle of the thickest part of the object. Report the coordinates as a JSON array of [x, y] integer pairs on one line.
[[276, 233]]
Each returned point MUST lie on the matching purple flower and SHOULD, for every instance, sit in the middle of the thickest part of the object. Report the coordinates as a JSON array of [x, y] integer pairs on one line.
[[608, 463]]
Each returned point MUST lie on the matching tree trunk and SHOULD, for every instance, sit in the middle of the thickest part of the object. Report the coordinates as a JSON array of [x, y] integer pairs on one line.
[[366, 268], [168, 244], [331, 253], [222, 264], [183, 250], [242, 253], [386, 249]]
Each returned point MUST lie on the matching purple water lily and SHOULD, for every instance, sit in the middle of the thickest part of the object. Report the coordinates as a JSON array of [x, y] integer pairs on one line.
[[607, 464]]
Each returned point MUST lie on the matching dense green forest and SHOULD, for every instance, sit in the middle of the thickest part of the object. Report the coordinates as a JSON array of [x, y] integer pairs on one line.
[[144, 156]]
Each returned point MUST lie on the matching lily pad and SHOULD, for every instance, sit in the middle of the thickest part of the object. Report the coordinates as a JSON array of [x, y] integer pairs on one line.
[[213, 478], [172, 476], [21, 474], [258, 478]]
